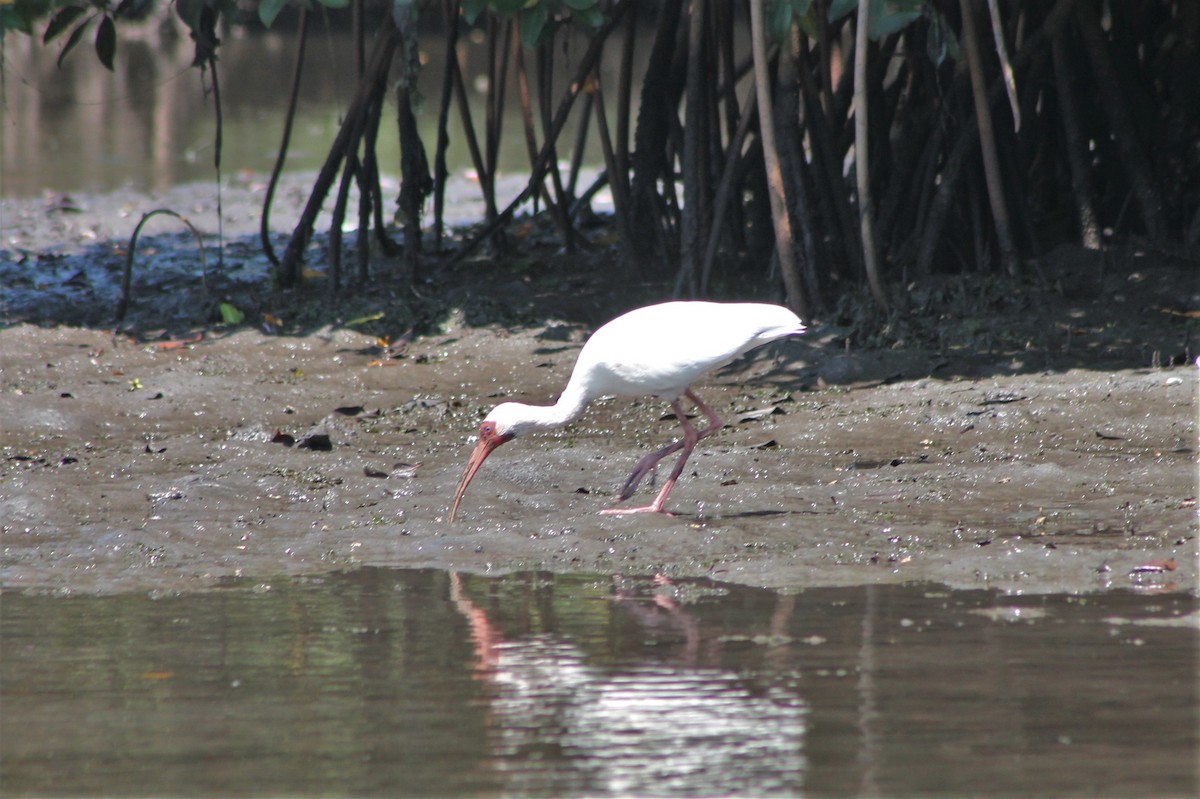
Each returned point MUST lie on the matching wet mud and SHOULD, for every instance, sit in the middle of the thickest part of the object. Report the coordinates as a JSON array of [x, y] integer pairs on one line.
[[128, 464], [1059, 459]]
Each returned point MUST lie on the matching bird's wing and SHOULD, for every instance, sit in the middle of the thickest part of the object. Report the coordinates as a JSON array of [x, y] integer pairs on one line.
[[663, 349]]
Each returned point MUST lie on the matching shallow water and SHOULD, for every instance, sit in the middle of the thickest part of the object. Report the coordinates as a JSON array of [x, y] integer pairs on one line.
[[423, 682], [150, 124]]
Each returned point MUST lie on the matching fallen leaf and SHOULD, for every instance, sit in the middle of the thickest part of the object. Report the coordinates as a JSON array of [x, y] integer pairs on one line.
[[179, 343], [230, 314], [361, 320], [761, 413]]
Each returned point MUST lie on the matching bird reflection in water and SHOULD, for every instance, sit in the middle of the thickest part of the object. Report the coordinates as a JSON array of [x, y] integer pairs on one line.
[[642, 724]]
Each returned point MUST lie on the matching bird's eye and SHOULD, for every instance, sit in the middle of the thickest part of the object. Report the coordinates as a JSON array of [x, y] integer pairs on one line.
[[488, 429]]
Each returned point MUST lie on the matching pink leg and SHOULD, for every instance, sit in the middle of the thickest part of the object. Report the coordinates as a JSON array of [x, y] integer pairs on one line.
[[646, 464], [643, 468], [690, 438]]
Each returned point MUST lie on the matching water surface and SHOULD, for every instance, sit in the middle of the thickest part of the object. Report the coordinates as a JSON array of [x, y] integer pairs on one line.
[[151, 123], [429, 683]]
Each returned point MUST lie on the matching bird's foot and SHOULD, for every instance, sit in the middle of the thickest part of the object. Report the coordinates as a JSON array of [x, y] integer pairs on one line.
[[627, 511]]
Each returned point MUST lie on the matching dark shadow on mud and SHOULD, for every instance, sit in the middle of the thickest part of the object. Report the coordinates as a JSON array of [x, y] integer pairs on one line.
[[755, 514], [1076, 311]]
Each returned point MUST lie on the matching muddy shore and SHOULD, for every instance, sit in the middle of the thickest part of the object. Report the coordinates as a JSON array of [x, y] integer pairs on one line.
[[1041, 445]]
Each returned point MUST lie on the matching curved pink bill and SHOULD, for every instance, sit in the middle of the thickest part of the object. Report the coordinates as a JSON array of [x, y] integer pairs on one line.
[[478, 456]]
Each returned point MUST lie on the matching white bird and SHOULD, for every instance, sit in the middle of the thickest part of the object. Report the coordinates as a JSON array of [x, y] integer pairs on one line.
[[659, 350]]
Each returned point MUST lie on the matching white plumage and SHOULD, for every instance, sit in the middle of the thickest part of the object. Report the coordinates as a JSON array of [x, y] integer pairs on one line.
[[658, 350]]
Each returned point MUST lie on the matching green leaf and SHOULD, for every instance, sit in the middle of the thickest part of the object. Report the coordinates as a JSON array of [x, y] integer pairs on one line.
[[533, 23], [592, 17], [106, 42], [73, 40], [887, 24], [189, 11], [580, 5], [62, 20], [950, 37], [507, 8], [362, 320], [471, 10], [230, 315], [11, 20], [268, 10], [203, 17], [940, 41], [808, 22], [132, 9], [779, 20], [841, 8]]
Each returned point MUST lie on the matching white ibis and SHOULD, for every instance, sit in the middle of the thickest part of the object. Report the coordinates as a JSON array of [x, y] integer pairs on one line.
[[659, 350]]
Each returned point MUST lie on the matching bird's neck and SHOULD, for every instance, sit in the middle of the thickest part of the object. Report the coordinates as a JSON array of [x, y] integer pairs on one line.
[[569, 407]]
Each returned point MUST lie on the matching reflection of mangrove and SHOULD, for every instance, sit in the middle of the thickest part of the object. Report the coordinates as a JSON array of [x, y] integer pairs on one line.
[[985, 150], [96, 126], [149, 124]]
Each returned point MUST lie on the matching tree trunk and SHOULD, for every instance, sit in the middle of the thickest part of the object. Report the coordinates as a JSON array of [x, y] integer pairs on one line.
[[987, 139], [1075, 144], [374, 81], [934, 222], [793, 166], [862, 158], [784, 245], [1137, 168], [695, 149], [649, 160]]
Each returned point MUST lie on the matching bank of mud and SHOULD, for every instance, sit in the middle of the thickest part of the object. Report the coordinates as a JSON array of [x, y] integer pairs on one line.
[[1053, 451]]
